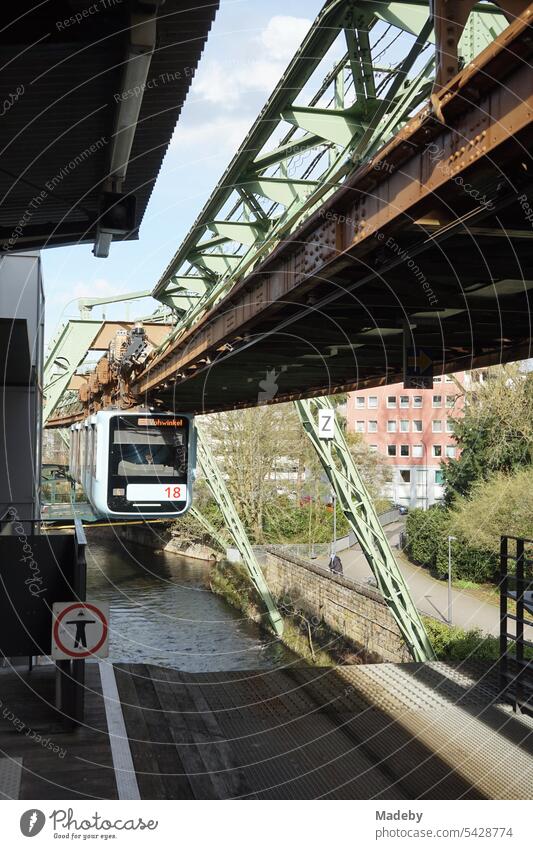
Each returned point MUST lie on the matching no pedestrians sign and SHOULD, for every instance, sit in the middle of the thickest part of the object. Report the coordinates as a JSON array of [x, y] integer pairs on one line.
[[80, 629]]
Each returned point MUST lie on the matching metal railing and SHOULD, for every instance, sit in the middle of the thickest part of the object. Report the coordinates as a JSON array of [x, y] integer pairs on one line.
[[516, 649]]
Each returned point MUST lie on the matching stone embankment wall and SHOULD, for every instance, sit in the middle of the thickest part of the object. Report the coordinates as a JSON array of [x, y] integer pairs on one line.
[[350, 609], [158, 536]]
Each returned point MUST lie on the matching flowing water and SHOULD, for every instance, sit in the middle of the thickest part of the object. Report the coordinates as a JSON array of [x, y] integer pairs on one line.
[[163, 612]]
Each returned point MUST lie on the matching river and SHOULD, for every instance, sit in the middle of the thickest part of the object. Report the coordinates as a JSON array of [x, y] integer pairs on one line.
[[163, 612]]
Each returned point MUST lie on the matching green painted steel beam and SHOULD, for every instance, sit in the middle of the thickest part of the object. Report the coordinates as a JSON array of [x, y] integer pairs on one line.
[[215, 242], [180, 303], [340, 126], [410, 17], [245, 232], [284, 191], [191, 283], [208, 526], [88, 303], [217, 485], [285, 151], [359, 510], [65, 354], [217, 263]]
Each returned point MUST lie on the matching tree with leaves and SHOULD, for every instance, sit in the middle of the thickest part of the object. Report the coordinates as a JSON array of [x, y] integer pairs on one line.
[[495, 434], [274, 475]]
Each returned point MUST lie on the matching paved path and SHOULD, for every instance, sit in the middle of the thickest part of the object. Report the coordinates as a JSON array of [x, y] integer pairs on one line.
[[430, 595]]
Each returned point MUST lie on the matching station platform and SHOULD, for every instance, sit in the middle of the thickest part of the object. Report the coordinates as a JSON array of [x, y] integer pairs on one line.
[[380, 731]]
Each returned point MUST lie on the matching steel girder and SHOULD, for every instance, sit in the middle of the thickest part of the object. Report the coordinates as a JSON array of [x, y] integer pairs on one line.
[[359, 510], [309, 137], [65, 353], [217, 485], [450, 19], [208, 526]]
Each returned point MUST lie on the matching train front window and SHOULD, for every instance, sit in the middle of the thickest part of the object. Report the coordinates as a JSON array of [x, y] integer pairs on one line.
[[149, 452]]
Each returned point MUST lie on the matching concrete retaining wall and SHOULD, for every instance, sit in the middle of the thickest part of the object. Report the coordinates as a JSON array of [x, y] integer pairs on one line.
[[350, 609], [158, 537]]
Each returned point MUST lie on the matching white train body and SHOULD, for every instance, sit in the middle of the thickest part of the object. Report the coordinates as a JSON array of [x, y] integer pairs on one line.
[[135, 464]]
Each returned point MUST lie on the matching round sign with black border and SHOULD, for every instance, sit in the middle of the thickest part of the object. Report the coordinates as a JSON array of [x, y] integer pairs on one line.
[[80, 606]]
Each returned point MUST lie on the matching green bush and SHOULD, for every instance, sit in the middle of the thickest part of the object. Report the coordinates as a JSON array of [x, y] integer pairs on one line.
[[427, 543], [468, 563], [425, 529], [452, 643]]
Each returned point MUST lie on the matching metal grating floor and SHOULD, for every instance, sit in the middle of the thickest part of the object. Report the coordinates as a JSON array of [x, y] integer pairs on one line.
[[10, 777], [380, 731]]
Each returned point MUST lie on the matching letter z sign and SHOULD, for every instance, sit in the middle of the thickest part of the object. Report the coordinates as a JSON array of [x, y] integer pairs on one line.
[[326, 424]]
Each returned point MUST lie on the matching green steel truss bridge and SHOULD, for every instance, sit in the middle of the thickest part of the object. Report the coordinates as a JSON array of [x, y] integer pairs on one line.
[[378, 204]]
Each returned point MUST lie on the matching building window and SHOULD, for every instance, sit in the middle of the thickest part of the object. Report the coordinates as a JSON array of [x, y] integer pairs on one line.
[[437, 379], [404, 401], [436, 426], [360, 401], [417, 426], [450, 400], [417, 400], [360, 427], [391, 427], [450, 450], [405, 475], [437, 450], [448, 379], [391, 450], [437, 400], [404, 425], [373, 448], [439, 477], [418, 450], [404, 450], [391, 401], [449, 425], [372, 400], [372, 426]]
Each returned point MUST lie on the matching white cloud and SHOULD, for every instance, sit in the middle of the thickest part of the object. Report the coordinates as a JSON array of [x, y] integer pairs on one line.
[[283, 35], [225, 82], [211, 138]]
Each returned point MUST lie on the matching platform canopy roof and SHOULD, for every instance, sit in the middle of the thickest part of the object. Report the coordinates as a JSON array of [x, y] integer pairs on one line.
[[90, 98]]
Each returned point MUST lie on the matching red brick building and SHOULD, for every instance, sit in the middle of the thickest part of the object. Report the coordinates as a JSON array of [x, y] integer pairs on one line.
[[411, 429]]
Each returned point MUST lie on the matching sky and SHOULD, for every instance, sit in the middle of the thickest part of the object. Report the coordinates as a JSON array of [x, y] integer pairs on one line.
[[249, 46]]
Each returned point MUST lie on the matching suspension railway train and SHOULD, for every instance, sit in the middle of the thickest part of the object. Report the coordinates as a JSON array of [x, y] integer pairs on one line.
[[135, 464]]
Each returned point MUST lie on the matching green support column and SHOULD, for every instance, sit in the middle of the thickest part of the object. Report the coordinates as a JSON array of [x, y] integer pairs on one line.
[[209, 527], [218, 487], [359, 510]]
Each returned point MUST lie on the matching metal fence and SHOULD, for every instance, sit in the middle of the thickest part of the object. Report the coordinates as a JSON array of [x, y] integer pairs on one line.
[[310, 551], [516, 622]]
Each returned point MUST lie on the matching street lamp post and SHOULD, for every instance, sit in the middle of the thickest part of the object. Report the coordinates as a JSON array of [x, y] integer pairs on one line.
[[334, 543], [450, 538]]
